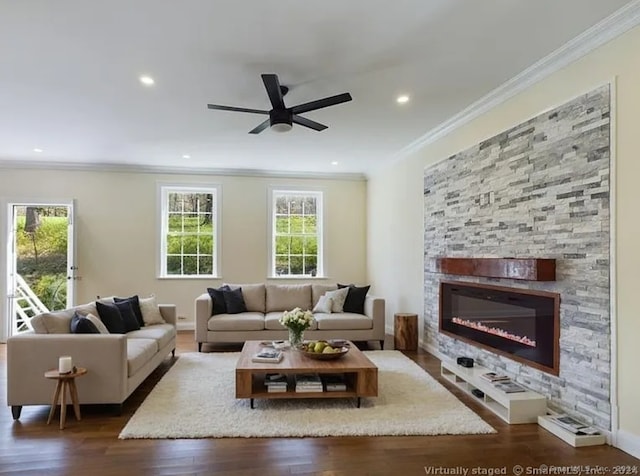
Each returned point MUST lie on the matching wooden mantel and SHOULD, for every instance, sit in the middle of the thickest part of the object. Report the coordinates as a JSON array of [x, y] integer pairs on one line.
[[530, 269]]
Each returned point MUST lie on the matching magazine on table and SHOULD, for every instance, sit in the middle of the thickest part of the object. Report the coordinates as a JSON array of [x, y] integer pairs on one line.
[[571, 424], [510, 387], [268, 355], [494, 377]]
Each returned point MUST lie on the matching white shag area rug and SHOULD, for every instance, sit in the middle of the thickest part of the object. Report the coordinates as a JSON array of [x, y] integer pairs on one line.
[[196, 399]]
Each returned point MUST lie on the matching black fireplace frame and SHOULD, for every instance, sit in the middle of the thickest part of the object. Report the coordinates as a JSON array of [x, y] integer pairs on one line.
[[552, 369]]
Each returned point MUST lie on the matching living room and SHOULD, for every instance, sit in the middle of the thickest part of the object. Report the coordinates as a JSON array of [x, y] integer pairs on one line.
[[366, 216]]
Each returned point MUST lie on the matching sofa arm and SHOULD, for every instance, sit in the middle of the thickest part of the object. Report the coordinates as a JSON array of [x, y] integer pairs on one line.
[[169, 313], [30, 355], [374, 308], [202, 314]]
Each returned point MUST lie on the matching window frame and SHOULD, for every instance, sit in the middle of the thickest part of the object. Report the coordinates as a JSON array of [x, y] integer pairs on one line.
[[163, 191], [274, 193]]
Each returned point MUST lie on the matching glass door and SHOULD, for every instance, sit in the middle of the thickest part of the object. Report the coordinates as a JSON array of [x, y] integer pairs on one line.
[[41, 273]]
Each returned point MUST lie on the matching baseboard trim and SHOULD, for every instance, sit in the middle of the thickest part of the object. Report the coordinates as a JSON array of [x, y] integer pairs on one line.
[[628, 442]]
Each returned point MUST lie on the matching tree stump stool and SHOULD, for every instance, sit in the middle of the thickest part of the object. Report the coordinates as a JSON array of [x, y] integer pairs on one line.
[[405, 331]]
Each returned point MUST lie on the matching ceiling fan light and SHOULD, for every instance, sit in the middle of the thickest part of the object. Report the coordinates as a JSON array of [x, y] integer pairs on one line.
[[281, 127]]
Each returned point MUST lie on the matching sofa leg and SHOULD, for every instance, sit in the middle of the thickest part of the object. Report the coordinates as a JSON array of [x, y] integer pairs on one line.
[[173, 353], [382, 345], [117, 409], [199, 346], [15, 411]]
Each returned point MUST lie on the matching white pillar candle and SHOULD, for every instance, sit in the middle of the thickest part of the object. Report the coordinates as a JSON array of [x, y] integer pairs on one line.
[[64, 364]]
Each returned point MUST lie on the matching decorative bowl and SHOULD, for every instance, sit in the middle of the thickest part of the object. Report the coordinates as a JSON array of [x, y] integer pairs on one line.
[[342, 350]]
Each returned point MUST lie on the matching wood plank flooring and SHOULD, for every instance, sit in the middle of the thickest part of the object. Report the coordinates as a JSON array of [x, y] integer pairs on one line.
[[91, 446]]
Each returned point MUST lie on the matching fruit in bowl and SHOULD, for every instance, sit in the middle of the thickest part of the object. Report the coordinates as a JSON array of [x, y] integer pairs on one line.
[[323, 350]]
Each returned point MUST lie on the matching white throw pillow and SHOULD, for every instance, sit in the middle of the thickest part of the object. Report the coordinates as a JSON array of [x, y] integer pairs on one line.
[[338, 297], [325, 303], [98, 323], [150, 311]]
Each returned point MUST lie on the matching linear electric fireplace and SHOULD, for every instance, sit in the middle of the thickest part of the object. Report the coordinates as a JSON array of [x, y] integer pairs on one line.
[[518, 323]]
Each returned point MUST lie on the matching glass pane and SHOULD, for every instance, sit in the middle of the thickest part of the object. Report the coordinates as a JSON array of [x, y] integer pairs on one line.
[[206, 265], [311, 245], [310, 225], [296, 224], [175, 202], [310, 206], [174, 245], [190, 244], [206, 244], [282, 265], [282, 206], [296, 265], [189, 265], [282, 245], [206, 223], [173, 265], [310, 265], [175, 223], [191, 222], [296, 245], [282, 224], [295, 204]]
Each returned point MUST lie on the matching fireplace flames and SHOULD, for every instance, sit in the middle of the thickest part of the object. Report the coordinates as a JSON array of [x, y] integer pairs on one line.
[[479, 326]]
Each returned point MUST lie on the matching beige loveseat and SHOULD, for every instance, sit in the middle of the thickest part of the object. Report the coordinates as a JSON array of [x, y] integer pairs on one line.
[[265, 304], [116, 363]]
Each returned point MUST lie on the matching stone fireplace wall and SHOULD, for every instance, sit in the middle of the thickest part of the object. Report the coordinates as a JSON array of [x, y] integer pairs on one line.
[[540, 190]]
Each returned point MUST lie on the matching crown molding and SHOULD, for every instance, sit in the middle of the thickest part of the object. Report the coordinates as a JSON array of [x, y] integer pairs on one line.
[[154, 169], [606, 30]]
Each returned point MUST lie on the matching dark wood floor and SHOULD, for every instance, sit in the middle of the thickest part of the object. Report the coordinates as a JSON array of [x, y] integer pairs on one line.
[[91, 447]]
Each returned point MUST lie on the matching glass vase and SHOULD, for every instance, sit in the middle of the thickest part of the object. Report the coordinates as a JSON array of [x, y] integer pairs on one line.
[[296, 337]]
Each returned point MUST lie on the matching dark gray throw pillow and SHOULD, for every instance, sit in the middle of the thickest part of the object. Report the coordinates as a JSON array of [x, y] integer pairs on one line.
[[355, 298], [81, 325], [128, 316], [110, 316], [234, 300], [217, 296], [135, 305]]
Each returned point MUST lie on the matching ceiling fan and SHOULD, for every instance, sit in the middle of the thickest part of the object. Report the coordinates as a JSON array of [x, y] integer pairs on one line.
[[282, 117]]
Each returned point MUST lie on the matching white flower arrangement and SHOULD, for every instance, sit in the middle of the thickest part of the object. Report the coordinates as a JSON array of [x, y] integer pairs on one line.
[[297, 319]]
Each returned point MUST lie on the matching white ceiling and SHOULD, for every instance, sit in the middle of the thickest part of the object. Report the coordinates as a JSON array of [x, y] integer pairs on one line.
[[69, 75]]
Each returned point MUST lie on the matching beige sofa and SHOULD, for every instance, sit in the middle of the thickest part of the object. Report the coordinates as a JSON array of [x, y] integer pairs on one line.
[[116, 363], [265, 304]]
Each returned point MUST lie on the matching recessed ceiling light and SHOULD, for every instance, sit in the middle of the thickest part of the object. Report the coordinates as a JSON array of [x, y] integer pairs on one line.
[[146, 80], [402, 99], [334, 162], [37, 149], [186, 156]]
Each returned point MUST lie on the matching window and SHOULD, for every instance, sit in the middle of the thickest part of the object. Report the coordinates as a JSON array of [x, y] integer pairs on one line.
[[296, 231], [190, 230]]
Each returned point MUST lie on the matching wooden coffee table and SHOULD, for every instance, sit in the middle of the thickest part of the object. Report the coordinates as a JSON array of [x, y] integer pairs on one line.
[[361, 375]]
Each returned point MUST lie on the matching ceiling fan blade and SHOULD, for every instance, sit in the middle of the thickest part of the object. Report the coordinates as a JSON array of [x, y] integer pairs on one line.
[[260, 127], [236, 109], [303, 121], [274, 91], [320, 103]]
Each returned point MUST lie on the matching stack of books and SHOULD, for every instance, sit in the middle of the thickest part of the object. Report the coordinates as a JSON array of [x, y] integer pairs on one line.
[[308, 383], [334, 383], [268, 355], [276, 382], [494, 377], [573, 425], [508, 386]]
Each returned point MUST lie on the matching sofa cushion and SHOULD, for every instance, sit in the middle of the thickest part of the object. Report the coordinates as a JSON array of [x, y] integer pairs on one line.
[[343, 321], [234, 301], [102, 329], [135, 305], [324, 304], [338, 297], [272, 322], [139, 352], [110, 315], [150, 311], [218, 306], [81, 325], [128, 315], [55, 322], [161, 333], [246, 321], [355, 298], [284, 297], [254, 296], [318, 290]]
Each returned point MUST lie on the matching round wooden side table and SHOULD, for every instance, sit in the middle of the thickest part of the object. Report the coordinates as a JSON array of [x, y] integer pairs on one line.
[[65, 381], [405, 331]]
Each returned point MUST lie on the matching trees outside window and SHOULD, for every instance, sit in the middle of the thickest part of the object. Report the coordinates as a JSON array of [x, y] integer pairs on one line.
[[296, 231], [190, 230]]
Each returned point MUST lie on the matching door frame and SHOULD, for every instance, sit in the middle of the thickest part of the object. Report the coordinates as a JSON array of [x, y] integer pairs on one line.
[[6, 215]]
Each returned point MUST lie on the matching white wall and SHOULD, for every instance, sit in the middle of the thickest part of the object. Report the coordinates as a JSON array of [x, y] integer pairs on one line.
[[117, 229], [395, 202]]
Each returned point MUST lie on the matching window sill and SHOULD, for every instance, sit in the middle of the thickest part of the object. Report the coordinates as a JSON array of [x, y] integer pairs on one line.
[[209, 277], [306, 278]]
